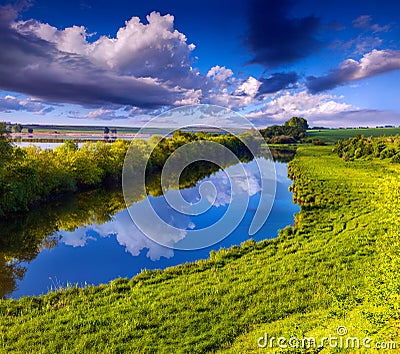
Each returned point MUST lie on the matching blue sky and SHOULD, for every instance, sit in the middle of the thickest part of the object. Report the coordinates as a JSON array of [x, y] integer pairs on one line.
[[122, 62]]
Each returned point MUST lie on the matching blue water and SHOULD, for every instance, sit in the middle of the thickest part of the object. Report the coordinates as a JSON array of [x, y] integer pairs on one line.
[[98, 253]]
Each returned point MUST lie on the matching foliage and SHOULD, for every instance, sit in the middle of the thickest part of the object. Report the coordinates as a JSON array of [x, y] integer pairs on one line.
[[5, 145], [297, 122], [32, 175], [317, 142], [25, 234], [315, 276], [282, 139], [331, 136], [17, 128], [361, 147], [292, 130]]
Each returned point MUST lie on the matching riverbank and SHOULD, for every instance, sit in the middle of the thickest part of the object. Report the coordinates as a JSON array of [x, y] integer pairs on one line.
[[320, 274], [29, 176]]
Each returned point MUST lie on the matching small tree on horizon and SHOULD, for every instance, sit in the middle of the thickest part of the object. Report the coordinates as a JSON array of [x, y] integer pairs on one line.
[[297, 122], [17, 128]]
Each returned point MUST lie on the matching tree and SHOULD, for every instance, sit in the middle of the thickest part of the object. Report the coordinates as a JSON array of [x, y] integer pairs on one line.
[[114, 133], [106, 130], [17, 128], [295, 127], [30, 130], [6, 147], [297, 122]]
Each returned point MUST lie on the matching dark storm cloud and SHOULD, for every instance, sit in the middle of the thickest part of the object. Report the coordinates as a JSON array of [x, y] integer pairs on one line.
[[277, 82], [36, 67], [275, 37]]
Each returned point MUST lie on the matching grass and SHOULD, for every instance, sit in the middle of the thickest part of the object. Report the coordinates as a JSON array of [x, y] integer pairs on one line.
[[337, 266], [330, 136]]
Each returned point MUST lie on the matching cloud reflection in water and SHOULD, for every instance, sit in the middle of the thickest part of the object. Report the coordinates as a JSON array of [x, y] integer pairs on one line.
[[128, 235]]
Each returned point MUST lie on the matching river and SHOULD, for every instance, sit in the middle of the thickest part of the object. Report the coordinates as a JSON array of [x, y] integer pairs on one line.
[[90, 239]]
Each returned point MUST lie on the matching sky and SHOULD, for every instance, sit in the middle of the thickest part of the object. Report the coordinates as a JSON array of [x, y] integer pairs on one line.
[[121, 63]]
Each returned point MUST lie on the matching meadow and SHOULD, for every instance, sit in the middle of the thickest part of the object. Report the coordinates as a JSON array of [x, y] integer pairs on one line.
[[330, 136], [337, 266]]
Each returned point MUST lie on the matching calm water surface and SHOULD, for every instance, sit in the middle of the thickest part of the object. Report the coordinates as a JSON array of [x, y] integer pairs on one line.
[[90, 238], [42, 145]]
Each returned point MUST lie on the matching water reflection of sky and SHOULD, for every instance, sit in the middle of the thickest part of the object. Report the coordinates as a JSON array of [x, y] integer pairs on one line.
[[42, 145], [98, 253]]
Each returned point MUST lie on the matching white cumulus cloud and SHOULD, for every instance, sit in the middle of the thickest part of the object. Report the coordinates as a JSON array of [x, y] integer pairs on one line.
[[302, 104]]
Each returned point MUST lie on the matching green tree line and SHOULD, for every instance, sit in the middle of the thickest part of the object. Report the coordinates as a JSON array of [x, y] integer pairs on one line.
[[290, 132], [32, 175], [362, 147]]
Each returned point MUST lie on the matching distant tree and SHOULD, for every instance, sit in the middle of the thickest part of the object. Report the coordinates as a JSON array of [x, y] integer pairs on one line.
[[106, 130], [30, 130], [17, 128], [297, 122], [317, 142], [282, 139], [295, 127]]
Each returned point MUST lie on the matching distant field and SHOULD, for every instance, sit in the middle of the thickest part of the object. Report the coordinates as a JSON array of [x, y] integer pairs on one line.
[[332, 135], [77, 129], [56, 133], [59, 132]]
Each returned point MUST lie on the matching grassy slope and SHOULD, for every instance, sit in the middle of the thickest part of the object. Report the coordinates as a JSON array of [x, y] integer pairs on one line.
[[333, 135], [309, 280]]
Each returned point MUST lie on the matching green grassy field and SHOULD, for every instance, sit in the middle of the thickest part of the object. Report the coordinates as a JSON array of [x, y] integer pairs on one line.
[[337, 267], [330, 136]]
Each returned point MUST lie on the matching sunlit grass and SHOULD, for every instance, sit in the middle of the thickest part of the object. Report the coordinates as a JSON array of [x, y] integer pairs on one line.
[[332, 135], [328, 270]]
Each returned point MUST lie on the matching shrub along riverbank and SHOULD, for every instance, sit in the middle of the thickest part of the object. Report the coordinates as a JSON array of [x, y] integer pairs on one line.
[[33, 175], [337, 266], [360, 147]]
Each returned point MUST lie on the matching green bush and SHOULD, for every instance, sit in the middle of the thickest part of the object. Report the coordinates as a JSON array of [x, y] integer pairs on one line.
[[396, 158], [361, 147], [31, 175]]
